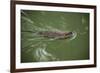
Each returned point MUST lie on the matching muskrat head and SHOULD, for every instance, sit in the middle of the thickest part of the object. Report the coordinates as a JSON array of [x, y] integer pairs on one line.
[[70, 35]]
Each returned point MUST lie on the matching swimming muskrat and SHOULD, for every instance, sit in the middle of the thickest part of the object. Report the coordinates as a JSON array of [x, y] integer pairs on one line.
[[54, 34]]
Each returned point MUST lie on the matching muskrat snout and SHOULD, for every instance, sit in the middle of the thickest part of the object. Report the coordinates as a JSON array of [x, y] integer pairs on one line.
[[71, 35]]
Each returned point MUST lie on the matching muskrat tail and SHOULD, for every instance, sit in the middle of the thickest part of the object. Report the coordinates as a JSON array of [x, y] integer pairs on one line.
[[28, 31]]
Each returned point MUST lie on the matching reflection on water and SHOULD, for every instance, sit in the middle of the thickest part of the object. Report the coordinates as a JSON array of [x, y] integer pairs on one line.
[[40, 54]]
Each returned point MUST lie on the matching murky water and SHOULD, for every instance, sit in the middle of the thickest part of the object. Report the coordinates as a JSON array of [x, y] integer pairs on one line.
[[35, 48]]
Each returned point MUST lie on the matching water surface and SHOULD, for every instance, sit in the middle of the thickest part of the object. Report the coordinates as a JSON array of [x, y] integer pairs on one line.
[[38, 49]]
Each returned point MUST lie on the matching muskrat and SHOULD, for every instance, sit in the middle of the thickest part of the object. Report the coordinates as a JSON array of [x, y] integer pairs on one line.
[[54, 34]]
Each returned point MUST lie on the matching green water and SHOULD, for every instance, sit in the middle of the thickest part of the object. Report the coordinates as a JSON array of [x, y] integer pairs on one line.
[[76, 49]]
